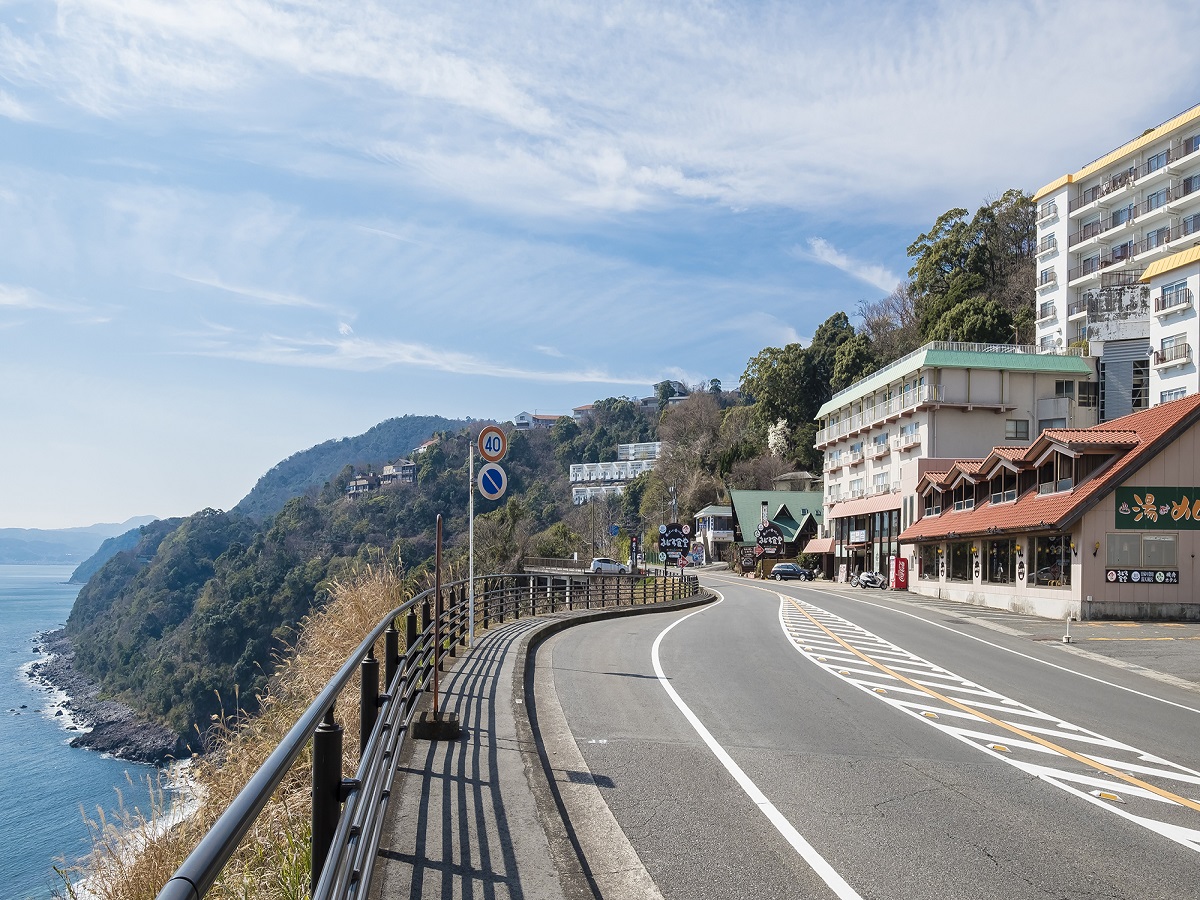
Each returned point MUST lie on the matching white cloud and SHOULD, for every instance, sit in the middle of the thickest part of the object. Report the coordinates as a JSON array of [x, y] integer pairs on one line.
[[824, 252], [877, 107], [364, 355], [17, 297], [271, 298], [11, 108]]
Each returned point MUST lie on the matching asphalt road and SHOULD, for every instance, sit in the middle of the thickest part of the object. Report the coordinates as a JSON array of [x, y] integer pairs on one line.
[[834, 744]]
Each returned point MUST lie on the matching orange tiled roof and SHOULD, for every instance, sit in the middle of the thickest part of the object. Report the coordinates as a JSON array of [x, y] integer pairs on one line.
[[1145, 433]]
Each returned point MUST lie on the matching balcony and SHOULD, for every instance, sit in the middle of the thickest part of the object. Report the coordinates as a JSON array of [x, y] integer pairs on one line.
[[907, 440], [1169, 302], [1047, 211], [874, 451], [1046, 312], [1091, 268], [855, 457], [1181, 194], [1175, 355], [1093, 230], [1114, 184], [832, 465], [1047, 279], [1048, 246], [883, 488], [1077, 309], [1004, 496]]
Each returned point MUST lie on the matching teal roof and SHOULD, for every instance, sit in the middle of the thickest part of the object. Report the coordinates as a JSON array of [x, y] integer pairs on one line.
[[714, 511], [945, 355], [787, 509]]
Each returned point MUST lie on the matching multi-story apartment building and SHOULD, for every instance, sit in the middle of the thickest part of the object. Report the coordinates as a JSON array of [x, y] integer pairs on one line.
[[1116, 265], [591, 481], [943, 402]]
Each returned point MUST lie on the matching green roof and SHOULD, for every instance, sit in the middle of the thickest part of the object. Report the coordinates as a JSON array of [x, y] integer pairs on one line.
[[714, 511], [945, 355], [787, 509]]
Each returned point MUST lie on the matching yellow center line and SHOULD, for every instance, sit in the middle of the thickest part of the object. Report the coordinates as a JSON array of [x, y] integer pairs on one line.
[[1050, 745]]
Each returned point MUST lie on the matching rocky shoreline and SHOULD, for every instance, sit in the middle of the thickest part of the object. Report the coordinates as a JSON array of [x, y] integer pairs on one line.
[[103, 725]]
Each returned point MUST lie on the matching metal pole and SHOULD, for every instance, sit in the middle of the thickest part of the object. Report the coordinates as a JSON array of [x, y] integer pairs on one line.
[[437, 614], [326, 790], [369, 700], [471, 550]]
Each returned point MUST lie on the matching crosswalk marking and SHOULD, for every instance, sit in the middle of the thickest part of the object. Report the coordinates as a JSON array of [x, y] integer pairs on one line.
[[1083, 763]]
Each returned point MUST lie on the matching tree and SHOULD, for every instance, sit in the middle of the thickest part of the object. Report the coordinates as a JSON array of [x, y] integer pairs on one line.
[[892, 324], [976, 320], [854, 360]]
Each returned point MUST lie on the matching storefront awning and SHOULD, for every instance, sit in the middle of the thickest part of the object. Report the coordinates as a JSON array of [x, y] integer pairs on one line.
[[819, 545], [866, 505]]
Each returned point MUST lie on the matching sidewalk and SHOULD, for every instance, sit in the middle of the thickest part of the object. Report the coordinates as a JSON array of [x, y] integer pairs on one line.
[[504, 811]]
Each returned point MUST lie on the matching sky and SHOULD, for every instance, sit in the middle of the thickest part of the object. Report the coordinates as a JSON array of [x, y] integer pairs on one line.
[[231, 230]]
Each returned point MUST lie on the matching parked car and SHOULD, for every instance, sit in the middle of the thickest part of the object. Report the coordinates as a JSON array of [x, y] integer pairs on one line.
[[602, 565], [784, 571]]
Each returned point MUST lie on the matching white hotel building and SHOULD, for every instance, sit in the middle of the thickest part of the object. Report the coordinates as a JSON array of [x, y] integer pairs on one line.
[[1118, 259], [592, 481]]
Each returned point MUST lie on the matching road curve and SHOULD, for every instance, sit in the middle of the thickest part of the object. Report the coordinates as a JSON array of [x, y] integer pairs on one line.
[[790, 741]]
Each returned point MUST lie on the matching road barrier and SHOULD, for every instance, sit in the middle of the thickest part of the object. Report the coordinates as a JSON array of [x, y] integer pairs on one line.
[[348, 813]]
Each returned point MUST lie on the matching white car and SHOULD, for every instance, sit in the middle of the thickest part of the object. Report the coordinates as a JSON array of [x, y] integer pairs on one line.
[[602, 565]]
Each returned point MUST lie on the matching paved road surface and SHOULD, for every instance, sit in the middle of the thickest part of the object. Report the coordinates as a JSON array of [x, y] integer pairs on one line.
[[791, 741]]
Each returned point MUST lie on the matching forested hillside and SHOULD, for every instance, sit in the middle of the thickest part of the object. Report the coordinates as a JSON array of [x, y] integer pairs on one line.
[[188, 624], [310, 469]]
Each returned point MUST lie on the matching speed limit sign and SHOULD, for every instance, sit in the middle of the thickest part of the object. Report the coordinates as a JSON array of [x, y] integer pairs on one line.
[[493, 444]]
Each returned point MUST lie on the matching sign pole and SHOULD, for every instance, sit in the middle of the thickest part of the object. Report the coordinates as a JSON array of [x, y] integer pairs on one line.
[[471, 551]]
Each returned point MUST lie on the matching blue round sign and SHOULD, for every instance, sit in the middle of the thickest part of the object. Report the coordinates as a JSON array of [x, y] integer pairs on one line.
[[614, 530], [492, 481]]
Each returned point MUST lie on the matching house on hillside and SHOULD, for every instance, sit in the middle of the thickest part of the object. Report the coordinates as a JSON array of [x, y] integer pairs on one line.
[[361, 485], [402, 471], [1098, 523], [526, 421]]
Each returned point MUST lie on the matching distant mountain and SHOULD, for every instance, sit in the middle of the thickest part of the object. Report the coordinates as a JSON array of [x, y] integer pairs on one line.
[[110, 548], [312, 468], [60, 546]]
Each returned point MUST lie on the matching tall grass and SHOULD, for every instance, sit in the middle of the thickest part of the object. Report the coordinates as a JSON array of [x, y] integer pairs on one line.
[[133, 857]]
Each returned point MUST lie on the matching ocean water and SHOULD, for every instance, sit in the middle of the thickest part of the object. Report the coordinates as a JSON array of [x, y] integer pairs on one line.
[[46, 786]]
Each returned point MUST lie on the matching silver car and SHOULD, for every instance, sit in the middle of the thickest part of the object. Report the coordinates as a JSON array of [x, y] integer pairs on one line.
[[602, 565]]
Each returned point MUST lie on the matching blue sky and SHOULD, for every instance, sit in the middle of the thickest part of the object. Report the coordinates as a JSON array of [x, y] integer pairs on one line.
[[230, 230]]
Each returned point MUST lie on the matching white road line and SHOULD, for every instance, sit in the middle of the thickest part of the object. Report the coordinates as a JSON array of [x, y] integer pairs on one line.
[[806, 850], [1063, 778], [1035, 659]]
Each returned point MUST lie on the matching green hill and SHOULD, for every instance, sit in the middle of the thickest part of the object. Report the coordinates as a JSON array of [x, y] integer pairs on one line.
[[311, 469]]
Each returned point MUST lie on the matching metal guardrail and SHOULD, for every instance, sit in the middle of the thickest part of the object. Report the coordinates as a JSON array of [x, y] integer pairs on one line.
[[348, 814]]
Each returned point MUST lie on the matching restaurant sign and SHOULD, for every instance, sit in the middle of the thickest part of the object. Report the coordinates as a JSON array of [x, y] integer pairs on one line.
[[1153, 508]]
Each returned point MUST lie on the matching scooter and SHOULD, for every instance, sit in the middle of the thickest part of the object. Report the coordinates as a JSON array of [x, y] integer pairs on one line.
[[871, 579]]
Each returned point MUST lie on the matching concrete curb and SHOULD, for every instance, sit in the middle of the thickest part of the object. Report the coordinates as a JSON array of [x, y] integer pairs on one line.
[[591, 852]]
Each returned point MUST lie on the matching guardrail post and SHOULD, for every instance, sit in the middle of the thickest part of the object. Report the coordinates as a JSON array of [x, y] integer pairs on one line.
[[368, 710], [391, 654], [326, 790], [454, 628]]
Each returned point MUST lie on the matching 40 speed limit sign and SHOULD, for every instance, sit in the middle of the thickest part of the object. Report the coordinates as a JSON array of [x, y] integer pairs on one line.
[[492, 443]]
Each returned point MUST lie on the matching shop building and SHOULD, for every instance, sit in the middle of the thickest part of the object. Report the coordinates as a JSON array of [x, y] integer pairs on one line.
[[1096, 523], [920, 413]]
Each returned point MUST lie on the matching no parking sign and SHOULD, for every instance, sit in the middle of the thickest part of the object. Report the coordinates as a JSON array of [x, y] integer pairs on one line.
[[492, 481]]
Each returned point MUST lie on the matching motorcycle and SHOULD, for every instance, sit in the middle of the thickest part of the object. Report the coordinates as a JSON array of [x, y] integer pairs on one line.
[[869, 579]]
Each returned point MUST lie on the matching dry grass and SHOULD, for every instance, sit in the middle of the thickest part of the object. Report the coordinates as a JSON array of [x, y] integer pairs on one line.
[[132, 859]]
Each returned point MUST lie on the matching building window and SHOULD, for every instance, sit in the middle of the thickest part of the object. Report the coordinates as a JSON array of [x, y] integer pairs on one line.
[[1173, 295], [1173, 394], [1089, 393], [1000, 561], [1191, 144], [1140, 395], [1051, 561], [1190, 224], [928, 563], [1064, 389], [1127, 550], [1121, 216], [1047, 276], [1043, 424], [1155, 200], [960, 561], [1016, 430]]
